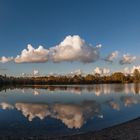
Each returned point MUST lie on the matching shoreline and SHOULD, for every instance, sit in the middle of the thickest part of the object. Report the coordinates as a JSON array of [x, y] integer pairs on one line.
[[129, 130]]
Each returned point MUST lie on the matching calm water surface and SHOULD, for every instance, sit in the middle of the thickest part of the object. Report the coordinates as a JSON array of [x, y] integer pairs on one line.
[[62, 110]]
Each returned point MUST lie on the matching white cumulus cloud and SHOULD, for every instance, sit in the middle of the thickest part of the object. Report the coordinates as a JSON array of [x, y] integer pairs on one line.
[[111, 57], [73, 48], [101, 71], [127, 59], [32, 55], [76, 72], [4, 59], [131, 70], [135, 67], [127, 71], [35, 72]]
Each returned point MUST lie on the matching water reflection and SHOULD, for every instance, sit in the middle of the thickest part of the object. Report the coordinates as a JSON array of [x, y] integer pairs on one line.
[[98, 89], [36, 92], [74, 106], [113, 104], [72, 115], [32, 111], [129, 100], [5, 106]]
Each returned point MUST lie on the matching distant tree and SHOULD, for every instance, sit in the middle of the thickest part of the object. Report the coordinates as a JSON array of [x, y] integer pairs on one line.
[[89, 78], [128, 79], [136, 75], [77, 79], [97, 78], [118, 77]]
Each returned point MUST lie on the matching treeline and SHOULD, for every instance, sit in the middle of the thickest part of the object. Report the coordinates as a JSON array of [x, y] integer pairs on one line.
[[116, 77]]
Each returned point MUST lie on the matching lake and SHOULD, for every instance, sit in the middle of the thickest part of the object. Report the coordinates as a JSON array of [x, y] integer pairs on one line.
[[66, 110]]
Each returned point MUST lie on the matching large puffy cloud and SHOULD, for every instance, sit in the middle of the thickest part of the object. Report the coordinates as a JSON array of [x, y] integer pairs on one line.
[[33, 55], [111, 56], [73, 48], [4, 59], [127, 59]]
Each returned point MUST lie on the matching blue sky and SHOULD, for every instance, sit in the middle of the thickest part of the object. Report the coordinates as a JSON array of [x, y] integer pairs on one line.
[[112, 23]]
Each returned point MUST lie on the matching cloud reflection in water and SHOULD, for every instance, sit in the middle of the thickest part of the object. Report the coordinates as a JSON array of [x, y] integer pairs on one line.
[[129, 100], [6, 106], [113, 104], [72, 115]]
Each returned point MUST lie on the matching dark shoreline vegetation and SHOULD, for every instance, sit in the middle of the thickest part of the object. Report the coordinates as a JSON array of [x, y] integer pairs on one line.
[[117, 77]]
